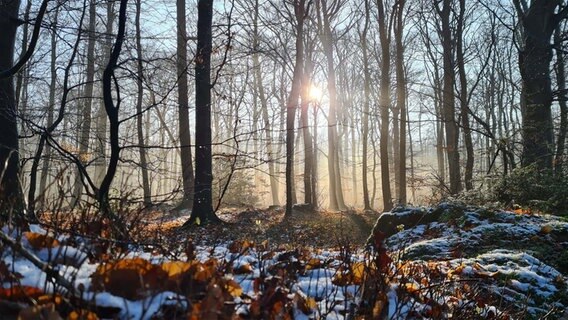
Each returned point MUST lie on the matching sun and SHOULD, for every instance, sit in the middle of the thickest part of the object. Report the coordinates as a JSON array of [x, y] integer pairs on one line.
[[315, 92]]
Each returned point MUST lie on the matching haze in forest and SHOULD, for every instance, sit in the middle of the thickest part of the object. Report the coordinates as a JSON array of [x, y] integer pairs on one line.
[[333, 103]]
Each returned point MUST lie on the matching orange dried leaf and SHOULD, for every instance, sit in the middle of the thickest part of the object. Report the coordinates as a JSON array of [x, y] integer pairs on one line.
[[313, 263], [175, 268], [20, 293], [546, 229], [39, 241], [82, 315], [129, 278], [233, 288]]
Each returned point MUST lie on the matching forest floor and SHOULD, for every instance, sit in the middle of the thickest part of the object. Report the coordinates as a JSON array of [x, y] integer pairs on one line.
[[322, 229], [470, 263]]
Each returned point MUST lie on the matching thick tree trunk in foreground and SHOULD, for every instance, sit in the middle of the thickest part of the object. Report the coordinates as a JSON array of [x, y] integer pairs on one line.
[[538, 23], [202, 201], [11, 201]]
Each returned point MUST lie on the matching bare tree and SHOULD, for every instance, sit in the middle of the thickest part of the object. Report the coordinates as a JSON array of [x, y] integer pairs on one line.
[[183, 108], [202, 200]]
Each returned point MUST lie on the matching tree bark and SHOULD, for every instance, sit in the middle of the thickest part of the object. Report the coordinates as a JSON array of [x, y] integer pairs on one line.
[[188, 178], [401, 102], [50, 107], [11, 199], [466, 126], [448, 98], [86, 108], [535, 55], [101, 125], [114, 123], [366, 109], [561, 82], [335, 189], [307, 137], [293, 99], [384, 105], [264, 107], [147, 194], [202, 201]]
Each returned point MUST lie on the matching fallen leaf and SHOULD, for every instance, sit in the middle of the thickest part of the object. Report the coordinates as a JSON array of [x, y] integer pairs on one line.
[[39, 241]]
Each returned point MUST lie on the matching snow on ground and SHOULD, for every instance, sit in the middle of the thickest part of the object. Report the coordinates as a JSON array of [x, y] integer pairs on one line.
[[496, 248], [478, 260]]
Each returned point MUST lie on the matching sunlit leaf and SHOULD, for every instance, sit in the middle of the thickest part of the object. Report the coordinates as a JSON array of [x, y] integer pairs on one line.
[[233, 288], [82, 315], [175, 268]]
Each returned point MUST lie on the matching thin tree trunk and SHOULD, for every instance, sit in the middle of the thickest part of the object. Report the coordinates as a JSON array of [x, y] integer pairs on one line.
[[448, 98], [335, 189], [86, 108], [401, 104], [307, 137], [139, 119], [292, 104], [366, 108], [183, 110], [50, 107], [384, 105], [561, 82], [101, 125], [114, 124], [464, 100]]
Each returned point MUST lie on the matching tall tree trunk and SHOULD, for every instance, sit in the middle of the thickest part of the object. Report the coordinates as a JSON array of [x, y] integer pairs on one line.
[[264, 107], [11, 201], [401, 102], [86, 108], [20, 85], [292, 103], [384, 105], [307, 137], [448, 98], [561, 82], [202, 200], [101, 125], [50, 107], [538, 23], [114, 124], [464, 99], [335, 189], [366, 108], [139, 119], [183, 109]]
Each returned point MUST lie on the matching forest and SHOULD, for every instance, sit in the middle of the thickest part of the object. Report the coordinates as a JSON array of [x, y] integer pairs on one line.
[[283, 159]]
